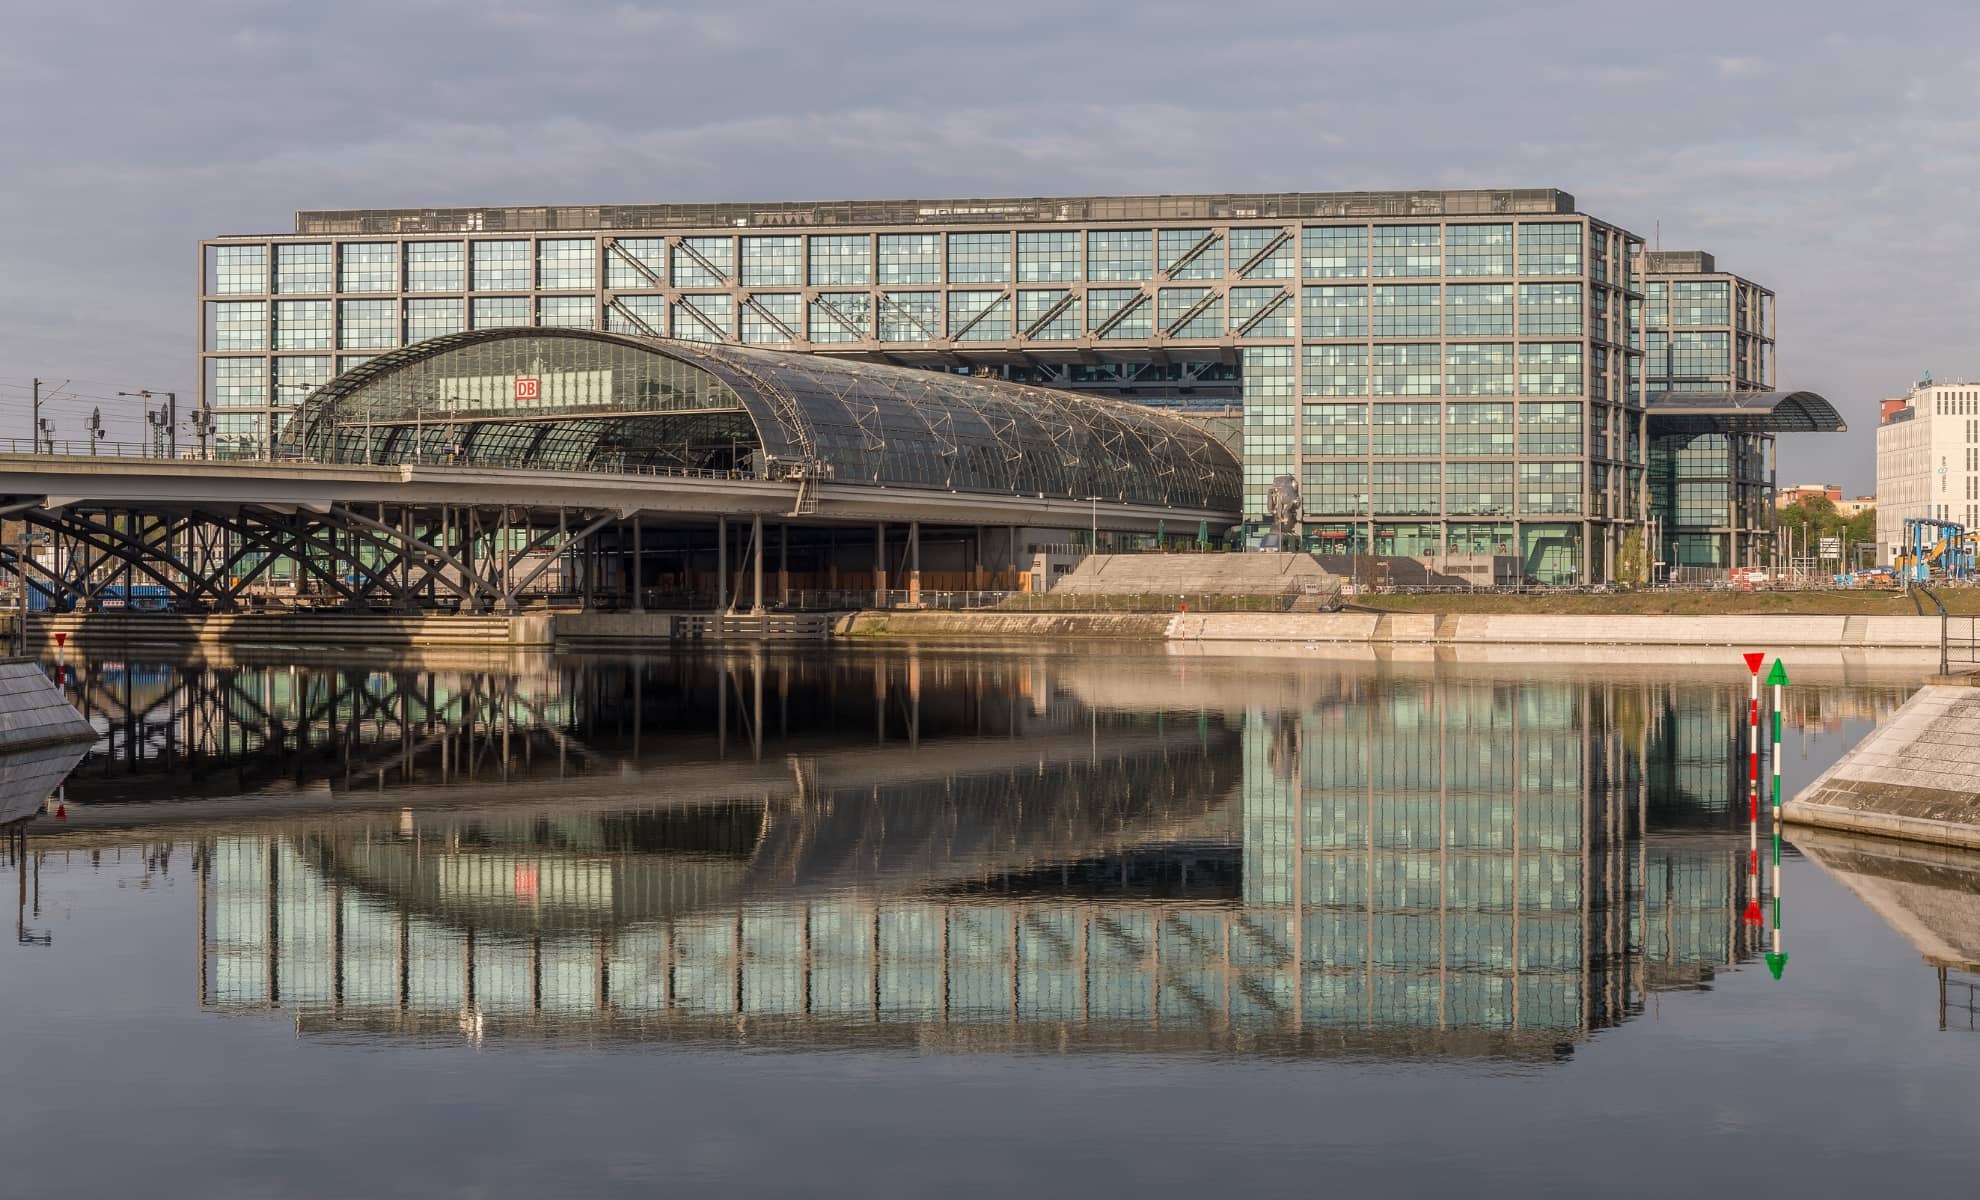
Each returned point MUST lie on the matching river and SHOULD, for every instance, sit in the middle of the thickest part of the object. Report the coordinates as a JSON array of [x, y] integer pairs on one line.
[[888, 921]]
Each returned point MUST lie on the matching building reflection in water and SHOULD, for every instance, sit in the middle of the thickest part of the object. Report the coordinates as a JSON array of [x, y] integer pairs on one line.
[[958, 852]]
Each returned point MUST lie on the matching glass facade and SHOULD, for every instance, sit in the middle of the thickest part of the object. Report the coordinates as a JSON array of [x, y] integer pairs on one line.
[[1210, 302]]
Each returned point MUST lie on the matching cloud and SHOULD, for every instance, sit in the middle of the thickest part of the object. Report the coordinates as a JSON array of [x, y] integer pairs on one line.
[[1803, 151]]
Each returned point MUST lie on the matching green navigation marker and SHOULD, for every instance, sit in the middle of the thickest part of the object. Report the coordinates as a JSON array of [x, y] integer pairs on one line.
[[1775, 962], [1778, 676]]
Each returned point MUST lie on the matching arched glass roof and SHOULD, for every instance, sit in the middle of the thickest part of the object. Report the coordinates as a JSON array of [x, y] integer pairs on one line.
[[569, 399], [1743, 412]]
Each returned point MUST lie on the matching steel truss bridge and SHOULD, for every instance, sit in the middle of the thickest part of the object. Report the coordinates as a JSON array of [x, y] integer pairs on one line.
[[204, 536]]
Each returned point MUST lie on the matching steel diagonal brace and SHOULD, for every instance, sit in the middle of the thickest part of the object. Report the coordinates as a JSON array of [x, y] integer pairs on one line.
[[471, 579], [509, 597]]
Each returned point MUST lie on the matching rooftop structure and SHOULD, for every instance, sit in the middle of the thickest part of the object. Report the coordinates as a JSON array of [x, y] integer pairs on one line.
[[563, 399]]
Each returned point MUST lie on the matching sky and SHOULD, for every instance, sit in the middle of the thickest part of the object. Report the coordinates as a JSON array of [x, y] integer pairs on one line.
[[1821, 148]]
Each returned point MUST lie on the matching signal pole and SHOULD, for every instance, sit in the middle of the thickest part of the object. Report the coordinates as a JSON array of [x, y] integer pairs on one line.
[[35, 424]]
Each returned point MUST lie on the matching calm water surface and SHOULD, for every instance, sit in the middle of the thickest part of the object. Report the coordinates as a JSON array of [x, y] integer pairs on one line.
[[910, 923]]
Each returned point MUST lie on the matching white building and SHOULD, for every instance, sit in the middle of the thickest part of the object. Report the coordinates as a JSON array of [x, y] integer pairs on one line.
[[1928, 460]]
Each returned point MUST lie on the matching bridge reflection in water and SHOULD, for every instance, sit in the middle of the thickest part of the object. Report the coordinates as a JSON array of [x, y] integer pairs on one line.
[[955, 852]]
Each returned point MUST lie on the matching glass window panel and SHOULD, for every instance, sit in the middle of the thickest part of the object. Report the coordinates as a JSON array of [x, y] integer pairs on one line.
[[1190, 253], [302, 324], [1250, 243], [705, 317], [910, 316], [1409, 370], [494, 312], [1480, 429], [979, 258], [1048, 314], [1411, 430], [1120, 254], [368, 267], [1334, 488], [979, 316], [499, 266], [773, 318], [1407, 310], [1336, 430], [1409, 488], [1408, 250], [239, 270], [645, 316], [1049, 257], [237, 325], [1334, 371], [367, 324], [435, 266], [841, 316], [841, 260], [1478, 369], [704, 262], [1549, 487], [297, 375], [237, 382], [1334, 252], [1478, 310], [1189, 312], [1119, 313], [1550, 369], [566, 264], [1333, 312], [1549, 310], [1549, 249], [636, 263], [910, 258], [302, 268], [1478, 249], [1248, 302], [432, 318], [772, 262], [567, 312]]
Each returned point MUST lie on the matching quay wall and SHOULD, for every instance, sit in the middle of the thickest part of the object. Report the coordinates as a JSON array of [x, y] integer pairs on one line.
[[1414, 629]]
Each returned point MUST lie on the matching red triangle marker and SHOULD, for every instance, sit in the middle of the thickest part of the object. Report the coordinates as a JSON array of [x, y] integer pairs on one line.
[[1753, 916], [1753, 661]]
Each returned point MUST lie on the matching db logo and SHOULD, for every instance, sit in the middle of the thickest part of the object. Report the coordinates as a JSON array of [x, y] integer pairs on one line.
[[528, 389]]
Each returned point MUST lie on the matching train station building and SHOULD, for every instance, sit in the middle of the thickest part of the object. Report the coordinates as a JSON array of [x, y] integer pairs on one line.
[[1442, 372]]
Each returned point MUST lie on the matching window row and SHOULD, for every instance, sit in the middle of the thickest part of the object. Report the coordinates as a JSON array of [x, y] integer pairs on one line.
[[843, 260], [1543, 428], [1429, 369], [1435, 489], [1453, 310]]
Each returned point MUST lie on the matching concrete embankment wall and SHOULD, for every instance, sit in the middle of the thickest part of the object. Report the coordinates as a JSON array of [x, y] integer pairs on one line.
[[1012, 627], [1370, 629], [32, 712], [1917, 776], [358, 630], [1538, 630]]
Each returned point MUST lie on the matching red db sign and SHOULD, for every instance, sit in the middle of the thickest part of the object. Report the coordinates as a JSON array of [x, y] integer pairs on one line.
[[528, 388]]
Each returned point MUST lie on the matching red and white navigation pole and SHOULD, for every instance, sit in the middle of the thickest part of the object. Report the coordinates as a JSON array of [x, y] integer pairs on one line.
[[1754, 660]]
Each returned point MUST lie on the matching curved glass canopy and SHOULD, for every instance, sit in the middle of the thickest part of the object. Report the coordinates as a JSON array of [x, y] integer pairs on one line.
[[569, 399]]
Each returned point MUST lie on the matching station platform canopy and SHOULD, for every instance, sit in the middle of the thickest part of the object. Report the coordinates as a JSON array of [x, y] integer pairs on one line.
[[571, 399], [1743, 412]]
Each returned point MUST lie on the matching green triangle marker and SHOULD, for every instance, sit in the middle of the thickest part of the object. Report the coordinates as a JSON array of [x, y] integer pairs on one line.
[[1775, 962], [1778, 676]]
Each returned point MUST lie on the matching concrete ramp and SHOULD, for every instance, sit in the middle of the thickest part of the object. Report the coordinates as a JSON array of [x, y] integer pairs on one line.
[[1265, 574], [1917, 776]]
